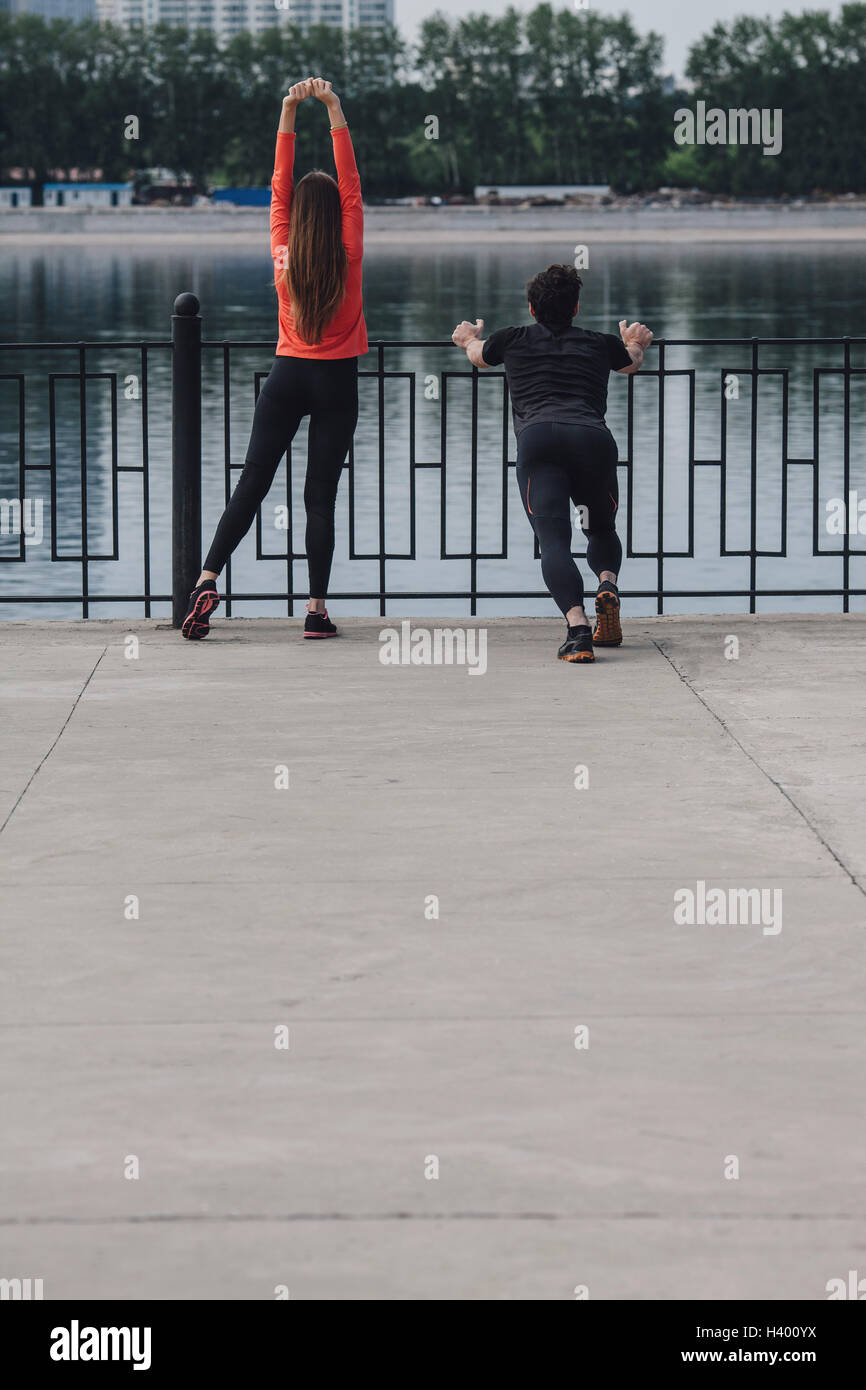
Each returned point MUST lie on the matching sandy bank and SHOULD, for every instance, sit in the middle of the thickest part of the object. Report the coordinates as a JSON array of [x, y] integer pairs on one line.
[[459, 226]]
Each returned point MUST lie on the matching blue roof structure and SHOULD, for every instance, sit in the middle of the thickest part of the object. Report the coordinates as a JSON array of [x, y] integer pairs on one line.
[[89, 187]]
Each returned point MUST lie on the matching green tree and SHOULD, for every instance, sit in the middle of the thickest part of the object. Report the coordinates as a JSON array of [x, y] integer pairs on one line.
[[548, 96], [809, 66]]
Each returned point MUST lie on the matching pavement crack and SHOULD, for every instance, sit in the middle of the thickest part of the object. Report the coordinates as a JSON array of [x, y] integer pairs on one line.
[[763, 771], [44, 759]]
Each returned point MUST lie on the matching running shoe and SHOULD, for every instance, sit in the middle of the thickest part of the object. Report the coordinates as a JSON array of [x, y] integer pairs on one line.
[[577, 645], [319, 625], [202, 602], [608, 632]]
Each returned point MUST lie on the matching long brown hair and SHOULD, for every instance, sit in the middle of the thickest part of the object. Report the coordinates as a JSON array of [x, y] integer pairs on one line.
[[315, 273]]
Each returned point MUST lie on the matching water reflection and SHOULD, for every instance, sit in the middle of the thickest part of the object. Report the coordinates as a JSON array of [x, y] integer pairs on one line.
[[681, 292]]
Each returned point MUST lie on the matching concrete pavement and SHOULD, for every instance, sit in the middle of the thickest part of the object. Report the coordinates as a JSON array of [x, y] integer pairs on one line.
[[511, 1072]]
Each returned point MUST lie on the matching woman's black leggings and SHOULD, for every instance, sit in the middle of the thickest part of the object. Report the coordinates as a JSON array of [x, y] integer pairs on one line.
[[556, 463], [327, 391]]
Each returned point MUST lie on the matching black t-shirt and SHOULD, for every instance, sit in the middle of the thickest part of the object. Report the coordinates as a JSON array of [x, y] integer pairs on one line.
[[558, 377]]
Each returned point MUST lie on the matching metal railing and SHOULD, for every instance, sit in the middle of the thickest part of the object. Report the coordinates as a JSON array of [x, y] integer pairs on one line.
[[186, 352]]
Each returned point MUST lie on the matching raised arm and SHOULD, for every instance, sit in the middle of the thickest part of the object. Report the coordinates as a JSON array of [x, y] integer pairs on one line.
[[468, 336], [283, 176], [637, 338], [348, 179]]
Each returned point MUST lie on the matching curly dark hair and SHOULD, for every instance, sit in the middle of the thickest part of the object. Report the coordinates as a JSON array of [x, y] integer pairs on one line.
[[553, 294]]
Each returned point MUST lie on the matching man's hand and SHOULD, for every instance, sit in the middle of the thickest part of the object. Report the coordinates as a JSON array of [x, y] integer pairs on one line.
[[298, 93], [465, 332], [636, 338], [635, 334], [323, 91]]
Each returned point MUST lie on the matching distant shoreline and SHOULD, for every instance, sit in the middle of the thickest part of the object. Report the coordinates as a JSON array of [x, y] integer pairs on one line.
[[472, 225]]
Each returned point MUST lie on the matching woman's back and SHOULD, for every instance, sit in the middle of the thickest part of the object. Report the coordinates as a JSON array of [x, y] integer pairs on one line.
[[344, 335]]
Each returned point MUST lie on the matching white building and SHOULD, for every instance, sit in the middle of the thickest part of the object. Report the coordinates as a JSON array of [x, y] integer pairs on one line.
[[229, 17], [87, 195], [52, 9], [541, 190], [341, 14], [15, 196]]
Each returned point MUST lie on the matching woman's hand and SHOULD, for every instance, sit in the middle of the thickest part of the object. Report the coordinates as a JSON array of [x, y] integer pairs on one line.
[[635, 334], [298, 93], [323, 91], [465, 332]]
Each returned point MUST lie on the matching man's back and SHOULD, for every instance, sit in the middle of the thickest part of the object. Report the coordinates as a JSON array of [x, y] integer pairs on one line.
[[556, 377]]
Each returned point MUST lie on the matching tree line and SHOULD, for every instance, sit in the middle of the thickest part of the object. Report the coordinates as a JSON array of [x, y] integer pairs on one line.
[[547, 96]]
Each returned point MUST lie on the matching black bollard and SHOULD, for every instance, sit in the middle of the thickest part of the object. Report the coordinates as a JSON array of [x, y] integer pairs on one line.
[[185, 452]]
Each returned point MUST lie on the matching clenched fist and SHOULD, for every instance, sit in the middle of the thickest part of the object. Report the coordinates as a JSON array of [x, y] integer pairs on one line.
[[635, 334], [323, 91], [466, 331], [297, 94]]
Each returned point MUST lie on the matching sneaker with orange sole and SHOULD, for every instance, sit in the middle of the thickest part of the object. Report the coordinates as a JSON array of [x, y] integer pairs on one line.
[[577, 645], [608, 632]]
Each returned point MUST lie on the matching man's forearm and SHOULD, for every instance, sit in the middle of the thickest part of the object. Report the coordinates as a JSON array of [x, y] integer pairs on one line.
[[475, 352], [636, 353]]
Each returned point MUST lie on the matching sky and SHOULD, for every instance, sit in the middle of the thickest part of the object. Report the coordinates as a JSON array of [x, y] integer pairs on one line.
[[680, 22]]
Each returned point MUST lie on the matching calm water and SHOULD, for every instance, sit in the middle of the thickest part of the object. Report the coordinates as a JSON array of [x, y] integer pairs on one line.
[[681, 292]]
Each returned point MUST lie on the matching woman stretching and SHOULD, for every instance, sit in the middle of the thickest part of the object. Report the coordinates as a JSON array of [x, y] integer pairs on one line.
[[317, 236]]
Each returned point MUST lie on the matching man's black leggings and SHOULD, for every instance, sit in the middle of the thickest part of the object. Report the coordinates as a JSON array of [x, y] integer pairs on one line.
[[556, 463], [326, 389]]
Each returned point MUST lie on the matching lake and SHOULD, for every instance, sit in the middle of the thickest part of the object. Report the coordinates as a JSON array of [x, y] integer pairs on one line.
[[66, 293]]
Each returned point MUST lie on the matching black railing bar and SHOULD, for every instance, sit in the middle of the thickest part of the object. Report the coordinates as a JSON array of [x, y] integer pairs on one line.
[[783, 514], [412, 450], [240, 343], [99, 342], [115, 467], [145, 476], [380, 400], [78, 598], [692, 397], [373, 596], [657, 342], [660, 485], [753, 471], [411, 342]]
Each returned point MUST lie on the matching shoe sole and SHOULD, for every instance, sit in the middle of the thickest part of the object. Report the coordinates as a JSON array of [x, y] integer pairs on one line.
[[579, 656], [321, 634], [608, 632], [196, 624]]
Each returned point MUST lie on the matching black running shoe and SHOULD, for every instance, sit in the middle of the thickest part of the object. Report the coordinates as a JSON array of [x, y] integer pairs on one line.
[[608, 632], [577, 645], [319, 625], [202, 602]]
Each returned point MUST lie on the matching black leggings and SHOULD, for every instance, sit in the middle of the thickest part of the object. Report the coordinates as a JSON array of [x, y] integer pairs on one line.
[[558, 462], [327, 391]]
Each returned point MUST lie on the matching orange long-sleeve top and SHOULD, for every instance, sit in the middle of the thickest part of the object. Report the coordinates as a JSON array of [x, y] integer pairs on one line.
[[346, 333]]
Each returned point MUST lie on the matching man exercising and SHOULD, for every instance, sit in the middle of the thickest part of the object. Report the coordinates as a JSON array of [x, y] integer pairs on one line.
[[557, 378]]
